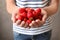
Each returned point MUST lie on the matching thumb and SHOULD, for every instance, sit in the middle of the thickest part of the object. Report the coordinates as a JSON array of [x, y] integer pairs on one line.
[[13, 18], [44, 13], [44, 18]]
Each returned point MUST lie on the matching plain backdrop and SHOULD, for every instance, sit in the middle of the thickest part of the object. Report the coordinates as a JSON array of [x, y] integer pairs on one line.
[[6, 32]]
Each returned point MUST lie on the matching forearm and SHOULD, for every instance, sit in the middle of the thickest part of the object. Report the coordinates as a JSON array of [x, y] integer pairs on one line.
[[52, 8], [10, 5]]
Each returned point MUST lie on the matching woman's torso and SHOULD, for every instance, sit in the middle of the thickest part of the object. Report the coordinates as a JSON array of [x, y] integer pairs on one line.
[[32, 3]]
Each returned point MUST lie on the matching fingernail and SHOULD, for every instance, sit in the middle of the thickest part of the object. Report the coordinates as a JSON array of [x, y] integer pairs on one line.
[[30, 24], [28, 27], [19, 20], [36, 20], [33, 21], [23, 22]]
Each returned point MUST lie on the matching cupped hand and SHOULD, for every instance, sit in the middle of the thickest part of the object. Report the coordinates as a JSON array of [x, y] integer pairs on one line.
[[37, 22]]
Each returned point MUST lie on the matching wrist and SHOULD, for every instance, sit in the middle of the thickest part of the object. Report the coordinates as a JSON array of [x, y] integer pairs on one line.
[[48, 11], [12, 9]]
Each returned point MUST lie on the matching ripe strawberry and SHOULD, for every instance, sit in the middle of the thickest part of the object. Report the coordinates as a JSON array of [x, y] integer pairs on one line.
[[24, 14], [21, 10], [40, 17], [29, 15], [29, 9], [28, 21], [19, 17], [35, 17], [25, 19], [16, 19], [38, 10], [35, 14]]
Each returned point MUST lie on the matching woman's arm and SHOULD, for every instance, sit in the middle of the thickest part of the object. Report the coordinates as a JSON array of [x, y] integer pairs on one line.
[[52, 8], [10, 5], [47, 11]]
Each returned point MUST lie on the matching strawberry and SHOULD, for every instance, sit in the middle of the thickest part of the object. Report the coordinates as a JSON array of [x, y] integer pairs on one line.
[[40, 17], [29, 15], [21, 10], [24, 14], [29, 9], [28, 21], [25, 19], [35, 17], [19, 17], [35, 14], [38, 10]]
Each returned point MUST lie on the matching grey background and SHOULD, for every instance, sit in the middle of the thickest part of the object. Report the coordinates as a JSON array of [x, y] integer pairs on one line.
[[6, 32]]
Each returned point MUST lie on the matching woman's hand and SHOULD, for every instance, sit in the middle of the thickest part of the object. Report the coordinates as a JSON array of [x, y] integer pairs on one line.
[[17, 22], [37, 22], [14, 13]]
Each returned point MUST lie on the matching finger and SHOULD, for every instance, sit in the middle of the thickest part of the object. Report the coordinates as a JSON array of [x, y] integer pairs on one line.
[[14, 17], [34, 24], [38, 22], [44, 15], [31, 25], [44, 18], [26, 25], [22, 24], [18, 22]]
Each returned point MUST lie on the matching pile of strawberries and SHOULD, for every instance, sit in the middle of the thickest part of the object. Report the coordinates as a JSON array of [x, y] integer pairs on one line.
[[29, 14]]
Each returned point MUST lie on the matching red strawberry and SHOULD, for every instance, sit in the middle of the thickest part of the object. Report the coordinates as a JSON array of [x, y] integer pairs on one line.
[[25, 19], [28, 21], [29, 15], [35, 14], [24, 14], [35, 17], [29, 9], [21, 10], [38, 10], [19, 17], [40, 17], [16, 19]]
